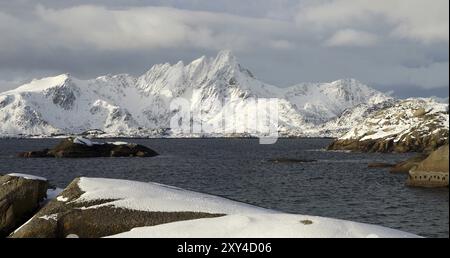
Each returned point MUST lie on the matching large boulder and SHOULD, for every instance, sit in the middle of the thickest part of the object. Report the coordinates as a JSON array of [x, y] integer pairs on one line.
[[432, 171], [20, 197], [79, 147], [70, 215], [412, 125]]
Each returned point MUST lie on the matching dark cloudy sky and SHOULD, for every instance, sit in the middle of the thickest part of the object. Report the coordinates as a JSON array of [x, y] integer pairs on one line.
[[393, 45]]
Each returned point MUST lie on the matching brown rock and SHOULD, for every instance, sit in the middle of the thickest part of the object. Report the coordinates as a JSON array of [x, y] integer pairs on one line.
[[437, 161], [419, 112], [432, 171], [379, 165], [291, 160], [19, 199], [131, 150], [34, 154]]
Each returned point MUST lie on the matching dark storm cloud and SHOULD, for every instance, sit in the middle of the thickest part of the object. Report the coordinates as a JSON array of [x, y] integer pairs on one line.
[[393, 45]]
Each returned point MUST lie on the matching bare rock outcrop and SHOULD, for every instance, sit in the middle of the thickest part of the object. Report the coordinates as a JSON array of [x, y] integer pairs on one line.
[[432, 171], [20, 197]]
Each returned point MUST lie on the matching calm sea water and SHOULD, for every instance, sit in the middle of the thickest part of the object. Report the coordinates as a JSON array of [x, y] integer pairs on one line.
[[338, 185]]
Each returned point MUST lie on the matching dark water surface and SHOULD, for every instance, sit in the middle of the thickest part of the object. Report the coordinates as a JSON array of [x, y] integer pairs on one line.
[[338, 185]]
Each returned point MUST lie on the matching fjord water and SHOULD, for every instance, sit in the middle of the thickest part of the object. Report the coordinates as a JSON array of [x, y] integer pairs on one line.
[[337, 185]]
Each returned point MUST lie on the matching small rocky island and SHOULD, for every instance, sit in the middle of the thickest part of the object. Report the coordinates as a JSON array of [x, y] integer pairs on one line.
[[79, 147]]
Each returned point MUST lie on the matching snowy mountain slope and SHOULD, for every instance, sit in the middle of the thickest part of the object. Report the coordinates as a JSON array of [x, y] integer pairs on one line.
[[123, 105], [350, 118], [414, 124], [324, 101]]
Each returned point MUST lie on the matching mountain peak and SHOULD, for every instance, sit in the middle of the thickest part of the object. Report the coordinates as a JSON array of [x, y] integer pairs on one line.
[[225, 56], [348, 81], [199, 60], [351, 84], [45, 83]]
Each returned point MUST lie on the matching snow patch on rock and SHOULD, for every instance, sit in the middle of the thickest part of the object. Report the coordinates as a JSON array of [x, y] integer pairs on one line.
[[62, 199], [30, 177], [50, 217]]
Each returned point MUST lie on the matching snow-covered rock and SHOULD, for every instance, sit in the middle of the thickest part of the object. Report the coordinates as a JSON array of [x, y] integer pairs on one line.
[[83, 141], [93, 207], [401, 126], [26, 176], [123, 105]]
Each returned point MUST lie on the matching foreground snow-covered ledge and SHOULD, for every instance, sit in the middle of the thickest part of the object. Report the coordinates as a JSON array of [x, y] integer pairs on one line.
[[241, 220], [100, 207], [264, 226]]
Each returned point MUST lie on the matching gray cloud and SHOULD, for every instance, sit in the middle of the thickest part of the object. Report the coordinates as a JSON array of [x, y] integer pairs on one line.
[[351, 38], [392, 45], [425, 21]]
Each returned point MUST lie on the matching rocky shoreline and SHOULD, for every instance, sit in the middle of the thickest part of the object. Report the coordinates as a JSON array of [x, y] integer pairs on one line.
[[423, 170], [412, 125], [409, 144]]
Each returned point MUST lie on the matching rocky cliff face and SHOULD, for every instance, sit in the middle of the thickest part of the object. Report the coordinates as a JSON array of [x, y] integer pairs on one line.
[[402, 126]]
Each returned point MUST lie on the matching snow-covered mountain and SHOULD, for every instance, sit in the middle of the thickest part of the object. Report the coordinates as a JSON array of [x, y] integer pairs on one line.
[[415, 124], [123, 105]]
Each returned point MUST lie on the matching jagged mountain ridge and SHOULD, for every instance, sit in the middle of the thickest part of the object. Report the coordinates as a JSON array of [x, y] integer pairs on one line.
[[123, 105]]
